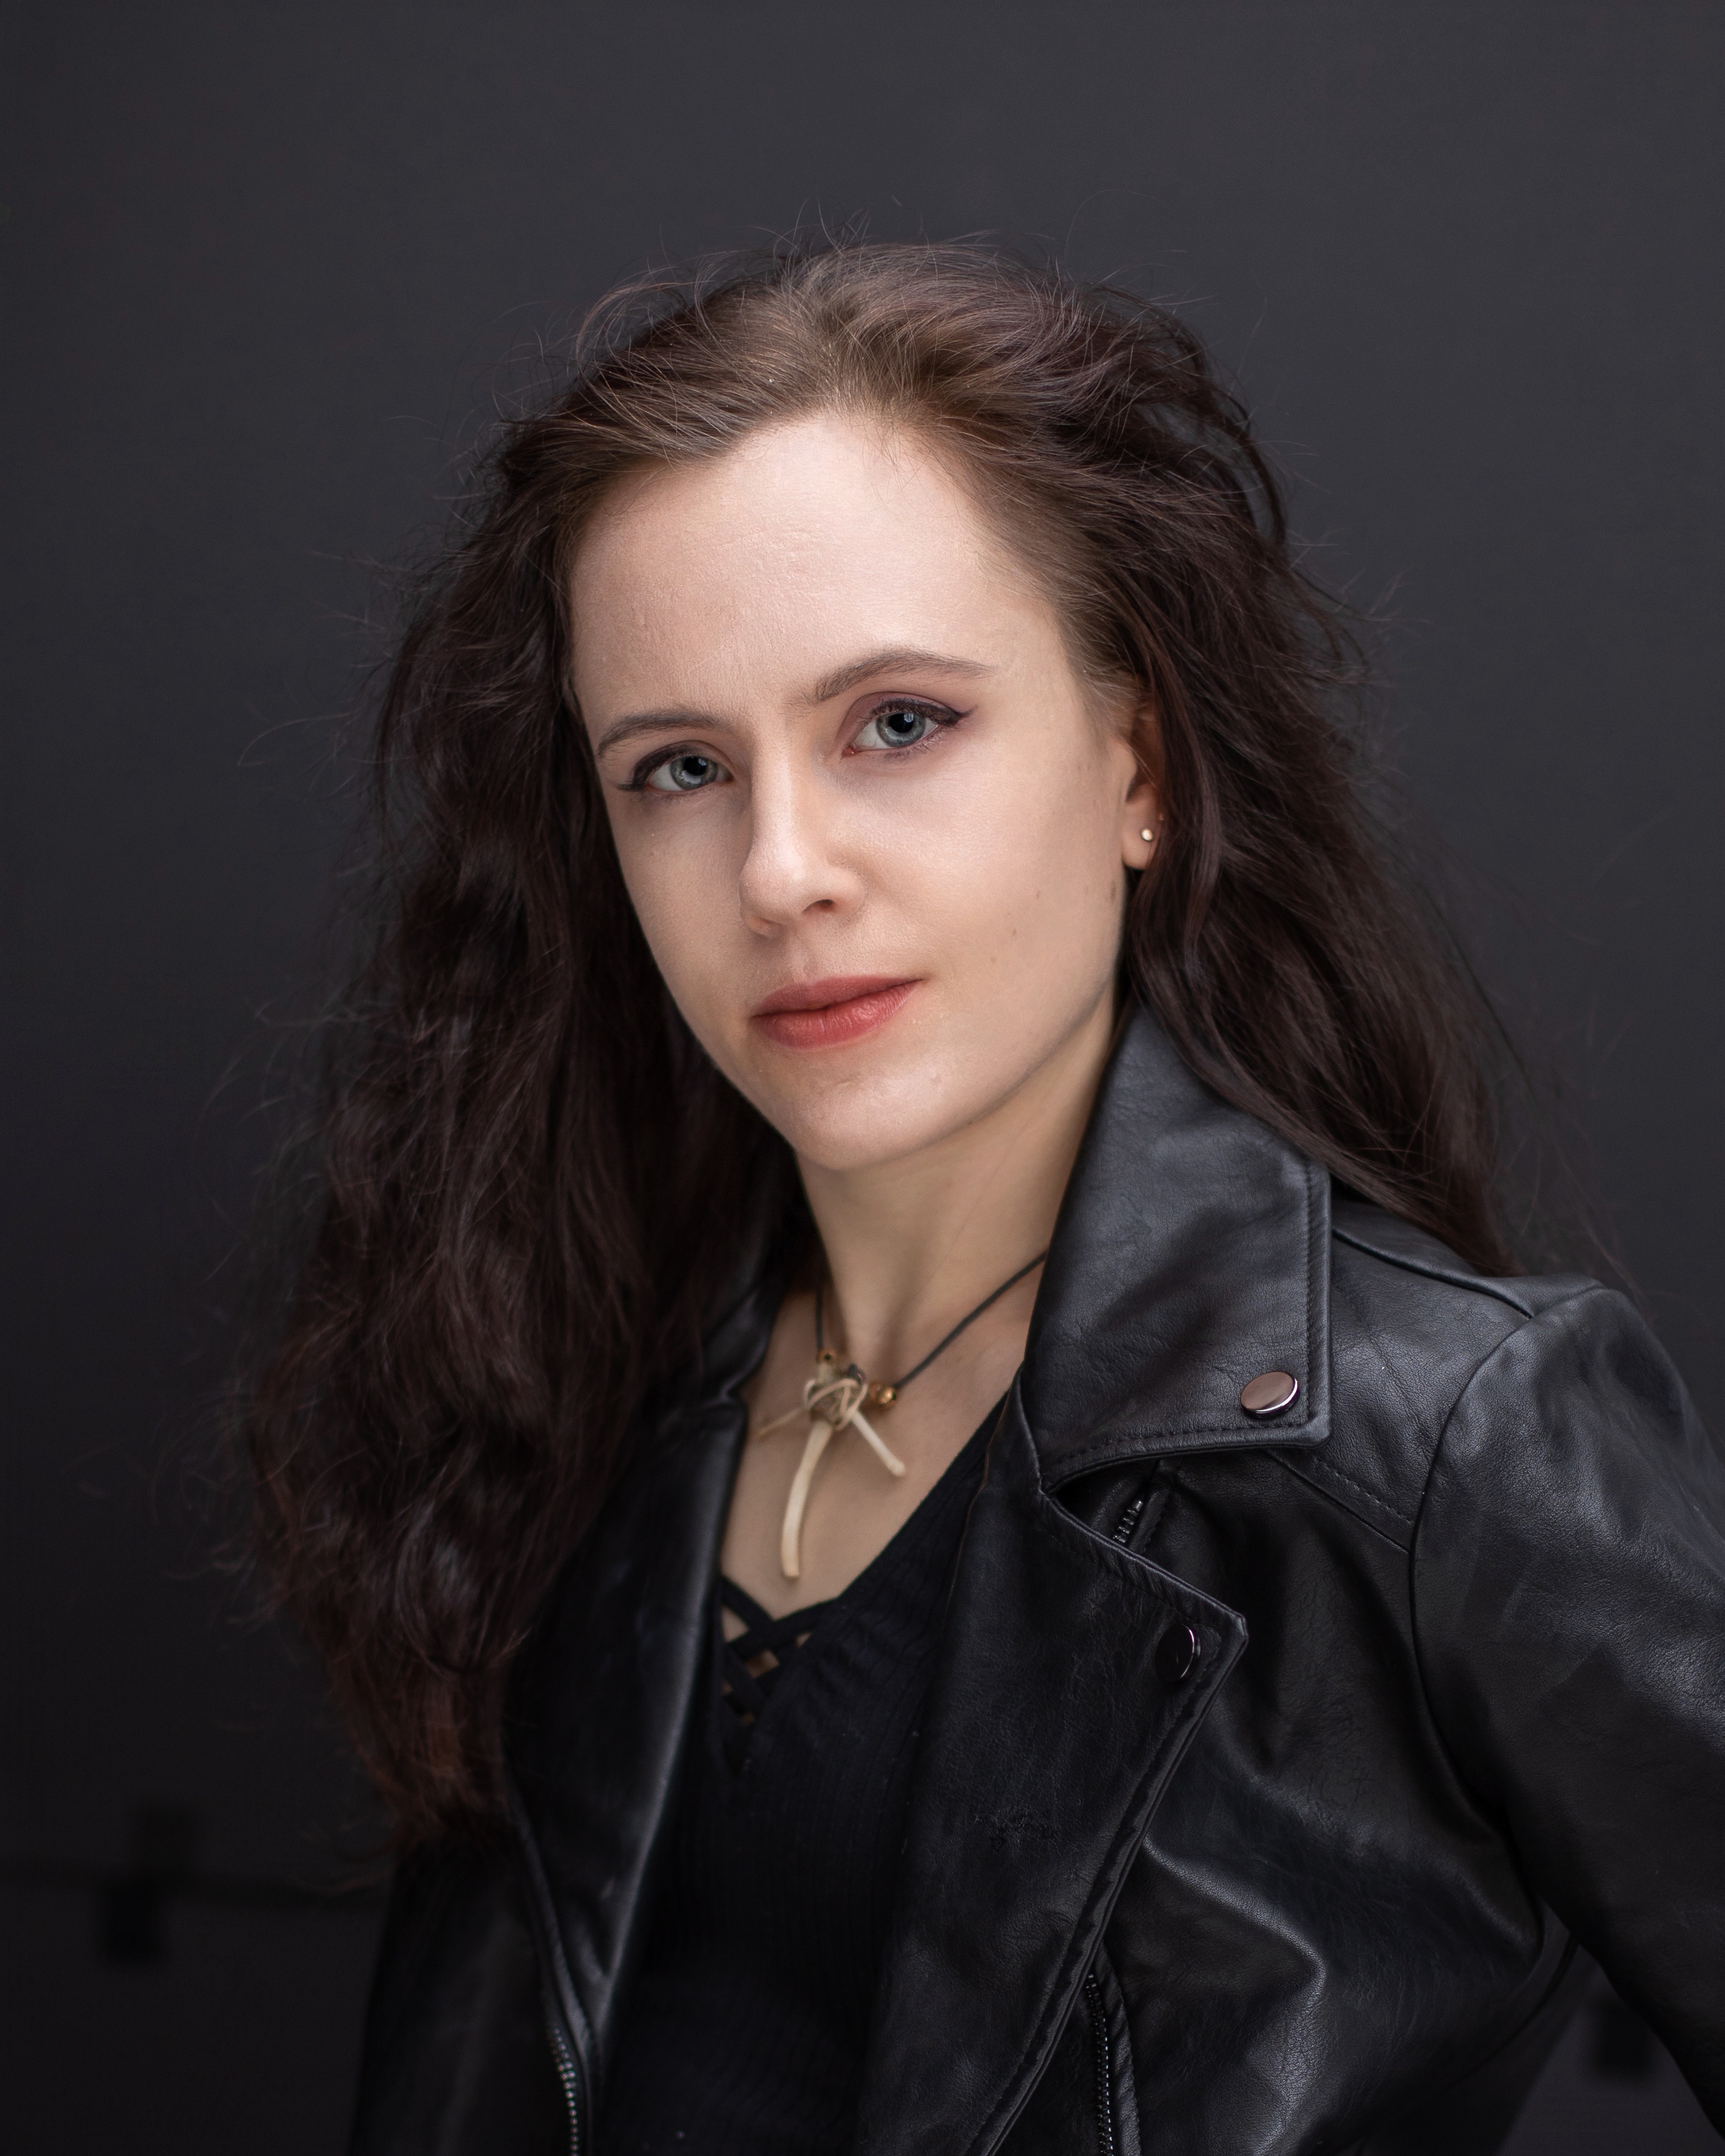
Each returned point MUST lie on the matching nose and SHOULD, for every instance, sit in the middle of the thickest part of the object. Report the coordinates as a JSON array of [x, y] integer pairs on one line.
[[794, 865]]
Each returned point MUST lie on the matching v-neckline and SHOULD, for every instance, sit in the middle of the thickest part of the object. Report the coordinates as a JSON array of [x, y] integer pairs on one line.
[[822, 1617]]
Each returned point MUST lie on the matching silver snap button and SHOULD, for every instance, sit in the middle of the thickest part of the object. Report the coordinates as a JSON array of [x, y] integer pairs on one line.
[[1271, 1394], [1176, 1653]]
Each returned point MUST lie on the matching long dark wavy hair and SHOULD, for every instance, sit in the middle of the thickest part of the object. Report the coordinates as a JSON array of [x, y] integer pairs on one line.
[[503, 1245]]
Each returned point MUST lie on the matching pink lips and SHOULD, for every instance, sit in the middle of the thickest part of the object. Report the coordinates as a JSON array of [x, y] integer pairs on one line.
[[831, 1013]]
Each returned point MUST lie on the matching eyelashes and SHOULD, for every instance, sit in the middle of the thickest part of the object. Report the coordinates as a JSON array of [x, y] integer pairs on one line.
[[904, 722], [678, 771], [894, 727]]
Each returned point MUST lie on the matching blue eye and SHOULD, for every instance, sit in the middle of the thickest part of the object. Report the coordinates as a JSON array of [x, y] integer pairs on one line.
[[686, 773], [899, 726]]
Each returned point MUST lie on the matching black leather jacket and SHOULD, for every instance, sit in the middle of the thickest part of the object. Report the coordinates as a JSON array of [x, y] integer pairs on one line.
[[1456, 1708]]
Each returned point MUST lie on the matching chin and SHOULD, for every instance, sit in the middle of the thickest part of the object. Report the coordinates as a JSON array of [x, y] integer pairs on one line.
[[850, 1145], [843, 1120]]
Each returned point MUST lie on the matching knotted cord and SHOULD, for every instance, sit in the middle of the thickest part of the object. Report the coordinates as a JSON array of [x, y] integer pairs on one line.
[[833, 1400]]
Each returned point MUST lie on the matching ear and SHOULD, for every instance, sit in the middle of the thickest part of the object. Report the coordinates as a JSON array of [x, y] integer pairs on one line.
[[1140, 812]]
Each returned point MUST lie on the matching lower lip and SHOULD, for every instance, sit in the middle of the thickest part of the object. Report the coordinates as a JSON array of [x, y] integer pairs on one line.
[[832, 1025]]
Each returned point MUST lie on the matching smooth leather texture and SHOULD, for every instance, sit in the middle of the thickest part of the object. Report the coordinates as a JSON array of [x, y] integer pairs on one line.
[[1458, 1709]]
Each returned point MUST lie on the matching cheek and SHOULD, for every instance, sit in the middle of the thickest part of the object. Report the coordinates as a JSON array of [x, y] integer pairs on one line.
[[679, 891], [1027, 870]]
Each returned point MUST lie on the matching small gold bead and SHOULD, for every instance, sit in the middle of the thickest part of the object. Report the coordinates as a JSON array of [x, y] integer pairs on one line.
[[882, 1396]]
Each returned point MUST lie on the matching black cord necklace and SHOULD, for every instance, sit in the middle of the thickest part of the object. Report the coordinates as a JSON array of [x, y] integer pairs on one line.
[[833, 1397], [883, 1395]]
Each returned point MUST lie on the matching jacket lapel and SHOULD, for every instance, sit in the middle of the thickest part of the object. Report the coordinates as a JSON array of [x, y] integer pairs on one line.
[[1048, 1739], [1192, 1255], [601, 1713]]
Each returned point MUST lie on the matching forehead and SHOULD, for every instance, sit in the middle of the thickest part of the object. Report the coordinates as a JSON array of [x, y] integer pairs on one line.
[[771, 565]]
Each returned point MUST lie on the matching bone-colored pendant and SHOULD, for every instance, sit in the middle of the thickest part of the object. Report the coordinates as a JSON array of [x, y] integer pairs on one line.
[[831, 1399], [790, 1535]]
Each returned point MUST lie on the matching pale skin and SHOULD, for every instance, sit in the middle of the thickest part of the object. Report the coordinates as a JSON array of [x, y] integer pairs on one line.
[[841, 738]]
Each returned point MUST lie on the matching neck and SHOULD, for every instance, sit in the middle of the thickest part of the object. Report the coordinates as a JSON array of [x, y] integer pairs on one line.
[[912, 1245]]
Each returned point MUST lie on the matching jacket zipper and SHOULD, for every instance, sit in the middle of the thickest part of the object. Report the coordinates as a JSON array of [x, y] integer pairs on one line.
[[1138, 1522], [554, 1974], [569, 2074], [1103, 2051]]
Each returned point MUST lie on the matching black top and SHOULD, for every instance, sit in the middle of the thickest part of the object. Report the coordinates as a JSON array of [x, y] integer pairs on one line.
[[744, 2029]]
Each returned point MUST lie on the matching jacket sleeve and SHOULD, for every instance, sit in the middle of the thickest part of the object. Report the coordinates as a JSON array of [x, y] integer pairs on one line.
[[456, 2061], [1569, 1605]]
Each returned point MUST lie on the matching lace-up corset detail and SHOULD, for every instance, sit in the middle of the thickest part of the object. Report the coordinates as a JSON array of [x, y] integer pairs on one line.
[[752, 1663]]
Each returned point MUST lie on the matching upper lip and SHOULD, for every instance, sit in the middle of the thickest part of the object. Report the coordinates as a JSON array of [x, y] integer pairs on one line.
[[837, 989]]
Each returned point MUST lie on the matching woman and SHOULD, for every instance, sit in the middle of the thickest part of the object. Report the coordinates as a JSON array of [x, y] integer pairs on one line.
[[907, 1432]]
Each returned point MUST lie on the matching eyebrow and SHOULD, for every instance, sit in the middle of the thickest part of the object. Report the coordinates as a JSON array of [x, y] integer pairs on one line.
[[645, 722], [834, 684], [888, 662]]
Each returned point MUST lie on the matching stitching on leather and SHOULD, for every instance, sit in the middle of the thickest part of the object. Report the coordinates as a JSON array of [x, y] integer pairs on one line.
[[1326, 1464], [1318, 1334], [1153, 1445], [1316, 1463], [1365, 1489], [1390, 1371], [1188, 1712], [1229, 1436], [1472, 1286]]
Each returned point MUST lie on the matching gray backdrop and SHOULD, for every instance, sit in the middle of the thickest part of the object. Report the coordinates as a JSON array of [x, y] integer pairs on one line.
[[261, 263]]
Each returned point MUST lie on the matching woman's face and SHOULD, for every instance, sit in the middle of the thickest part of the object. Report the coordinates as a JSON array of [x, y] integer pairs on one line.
[[874, 824]]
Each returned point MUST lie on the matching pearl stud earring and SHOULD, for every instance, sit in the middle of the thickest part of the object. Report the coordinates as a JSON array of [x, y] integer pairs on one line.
[[1149, 836]]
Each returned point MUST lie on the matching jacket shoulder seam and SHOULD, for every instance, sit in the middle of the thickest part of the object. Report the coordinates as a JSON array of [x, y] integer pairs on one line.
[[1474, 1283], [1323, 1469], [1315, 1472], [1560, 1308], [1321, 1473]]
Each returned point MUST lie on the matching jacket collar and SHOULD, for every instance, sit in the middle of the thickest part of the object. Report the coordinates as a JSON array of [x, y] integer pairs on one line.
[[1191, 1255]]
